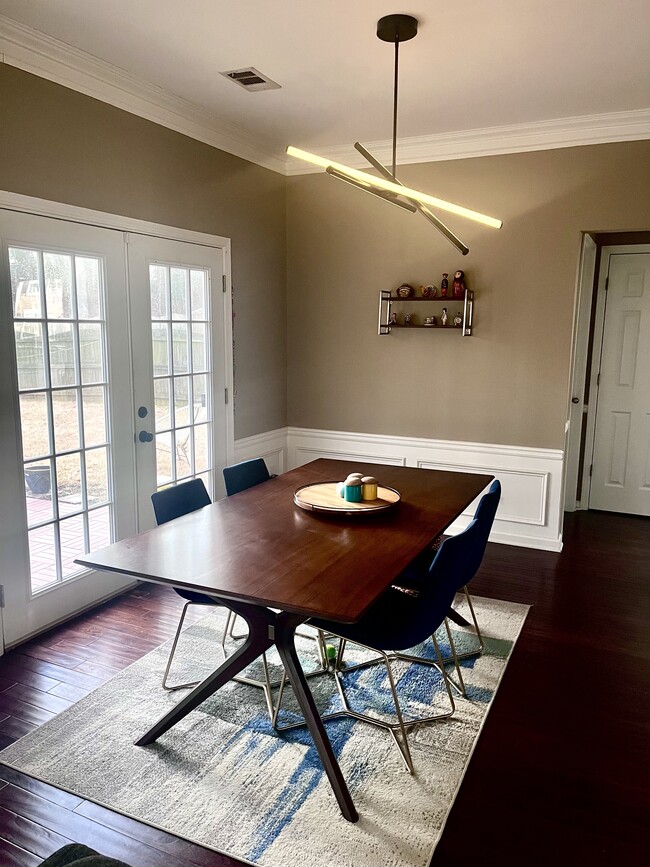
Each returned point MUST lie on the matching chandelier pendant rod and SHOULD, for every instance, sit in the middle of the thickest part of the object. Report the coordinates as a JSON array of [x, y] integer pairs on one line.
[[395, 104]]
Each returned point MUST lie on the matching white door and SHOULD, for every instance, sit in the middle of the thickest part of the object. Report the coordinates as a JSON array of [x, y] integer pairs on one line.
[[620, 479], [180, 357], [66, 441]]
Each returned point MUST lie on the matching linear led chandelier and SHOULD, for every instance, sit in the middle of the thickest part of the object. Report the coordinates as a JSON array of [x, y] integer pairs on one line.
[[396, 29]]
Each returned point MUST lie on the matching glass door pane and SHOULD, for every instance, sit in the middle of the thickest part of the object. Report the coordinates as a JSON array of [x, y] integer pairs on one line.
[[60, 345]]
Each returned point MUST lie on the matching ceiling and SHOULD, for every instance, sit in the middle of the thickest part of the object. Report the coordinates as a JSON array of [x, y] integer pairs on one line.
[[473, 65]]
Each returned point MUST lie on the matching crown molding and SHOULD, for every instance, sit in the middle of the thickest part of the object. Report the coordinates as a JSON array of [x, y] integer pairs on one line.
[[49, 58], [537, 136]]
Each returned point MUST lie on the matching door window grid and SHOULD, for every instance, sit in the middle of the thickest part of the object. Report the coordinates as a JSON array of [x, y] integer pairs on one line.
[[60, 344], [181, 347]]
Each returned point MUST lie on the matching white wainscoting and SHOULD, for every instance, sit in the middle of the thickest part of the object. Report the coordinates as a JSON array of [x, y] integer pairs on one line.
[[530, 512], [272, 446]]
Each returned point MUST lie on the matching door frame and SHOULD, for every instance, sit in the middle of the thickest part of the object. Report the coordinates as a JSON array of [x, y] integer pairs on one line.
[[98, 219], [606, 254], [577, 381]]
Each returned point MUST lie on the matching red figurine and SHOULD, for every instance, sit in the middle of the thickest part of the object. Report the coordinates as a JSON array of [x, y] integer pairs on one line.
[[459, 284], [444, 285]]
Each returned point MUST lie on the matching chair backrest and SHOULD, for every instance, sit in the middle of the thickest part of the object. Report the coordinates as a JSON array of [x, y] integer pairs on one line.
[[173, 502], [484, 516], [436, 595], [245, 475]]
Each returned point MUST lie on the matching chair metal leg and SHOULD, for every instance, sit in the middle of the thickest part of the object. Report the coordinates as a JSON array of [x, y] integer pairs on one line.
[[402, 725], [173, 650]]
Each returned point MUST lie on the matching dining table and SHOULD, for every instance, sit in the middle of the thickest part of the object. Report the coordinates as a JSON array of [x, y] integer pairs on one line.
[[277, 565]]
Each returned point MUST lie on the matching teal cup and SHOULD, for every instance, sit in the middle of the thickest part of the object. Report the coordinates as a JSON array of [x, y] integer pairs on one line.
[[353, 493]]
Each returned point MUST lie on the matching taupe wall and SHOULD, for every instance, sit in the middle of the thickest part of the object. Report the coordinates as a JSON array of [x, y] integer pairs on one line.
[[506, 384], [60, 145]]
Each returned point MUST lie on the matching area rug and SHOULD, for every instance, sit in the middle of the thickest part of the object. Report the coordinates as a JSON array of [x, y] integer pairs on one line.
[[225, 779]]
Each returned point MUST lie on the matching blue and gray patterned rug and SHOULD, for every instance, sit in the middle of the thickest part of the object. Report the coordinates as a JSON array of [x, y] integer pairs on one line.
[[225, 779]]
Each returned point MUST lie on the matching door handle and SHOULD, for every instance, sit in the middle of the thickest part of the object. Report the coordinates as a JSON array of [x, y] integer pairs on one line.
[[145, 437], [575, 400]]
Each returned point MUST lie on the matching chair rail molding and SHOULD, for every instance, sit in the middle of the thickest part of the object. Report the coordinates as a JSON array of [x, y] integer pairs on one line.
[[530, 512]]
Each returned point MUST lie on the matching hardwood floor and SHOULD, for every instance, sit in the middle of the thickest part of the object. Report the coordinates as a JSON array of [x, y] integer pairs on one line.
[[560, 774]]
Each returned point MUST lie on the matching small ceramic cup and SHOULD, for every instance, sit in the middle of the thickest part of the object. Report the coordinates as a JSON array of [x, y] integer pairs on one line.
[[353, 490], [369, 488], [340, 489]]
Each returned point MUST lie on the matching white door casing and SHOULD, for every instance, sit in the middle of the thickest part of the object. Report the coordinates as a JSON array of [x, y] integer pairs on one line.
[[577, 408], [620, 477]]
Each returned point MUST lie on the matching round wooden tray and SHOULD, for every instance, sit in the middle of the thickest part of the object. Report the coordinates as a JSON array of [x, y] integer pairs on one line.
[[322, 497]]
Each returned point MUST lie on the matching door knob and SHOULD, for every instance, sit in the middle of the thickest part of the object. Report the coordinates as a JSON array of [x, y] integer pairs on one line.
[[575, 400], [145, 437]]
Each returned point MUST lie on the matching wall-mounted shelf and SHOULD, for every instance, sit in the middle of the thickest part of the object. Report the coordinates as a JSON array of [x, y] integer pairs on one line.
[[386, 301]]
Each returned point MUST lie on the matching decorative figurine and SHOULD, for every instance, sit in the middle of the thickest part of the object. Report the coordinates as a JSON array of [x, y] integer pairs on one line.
[[459, 284], [393, 319], [432, 291], [444, 285], [408, 319], [443, 316], [430, 320], [458, 320], [405, 291], [425, 291]]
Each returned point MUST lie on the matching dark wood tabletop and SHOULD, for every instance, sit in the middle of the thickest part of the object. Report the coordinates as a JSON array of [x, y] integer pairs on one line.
[[258, 546]]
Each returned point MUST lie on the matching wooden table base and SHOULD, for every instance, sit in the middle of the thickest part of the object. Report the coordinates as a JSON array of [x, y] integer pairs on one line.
[[265, 628]]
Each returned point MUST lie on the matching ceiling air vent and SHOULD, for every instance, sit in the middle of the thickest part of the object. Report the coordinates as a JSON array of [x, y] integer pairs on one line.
[[251, 79]]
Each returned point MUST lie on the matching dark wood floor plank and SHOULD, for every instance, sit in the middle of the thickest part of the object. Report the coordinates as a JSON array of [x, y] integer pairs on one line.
[[29, 835], [15, 727], [179, 849], [75, 827], [41, 652], [15, 660], [72, 693], [14, 856], [38, 698], [24, 711], [19, 674], [48, 793]]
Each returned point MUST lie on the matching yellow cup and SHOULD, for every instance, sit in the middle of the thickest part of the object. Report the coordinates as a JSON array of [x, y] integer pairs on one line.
[[369, 489]]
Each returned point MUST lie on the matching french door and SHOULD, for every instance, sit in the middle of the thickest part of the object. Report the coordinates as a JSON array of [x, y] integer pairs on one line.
[[179, 366], [111, 355]]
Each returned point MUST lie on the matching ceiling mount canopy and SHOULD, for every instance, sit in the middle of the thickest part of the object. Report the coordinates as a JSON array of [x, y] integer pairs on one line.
[[396, 29]]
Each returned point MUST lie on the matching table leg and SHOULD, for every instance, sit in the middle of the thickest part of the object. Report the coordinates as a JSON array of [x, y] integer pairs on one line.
[[256, 643], [285, 625]]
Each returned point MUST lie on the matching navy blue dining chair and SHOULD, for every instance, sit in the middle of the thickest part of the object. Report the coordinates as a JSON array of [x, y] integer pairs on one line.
[[399, 621], [168, 504], [414, 576], [244, 475]]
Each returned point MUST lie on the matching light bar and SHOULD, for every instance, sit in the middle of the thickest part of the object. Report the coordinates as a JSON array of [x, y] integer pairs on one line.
[[398, 189], [385, 195]]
